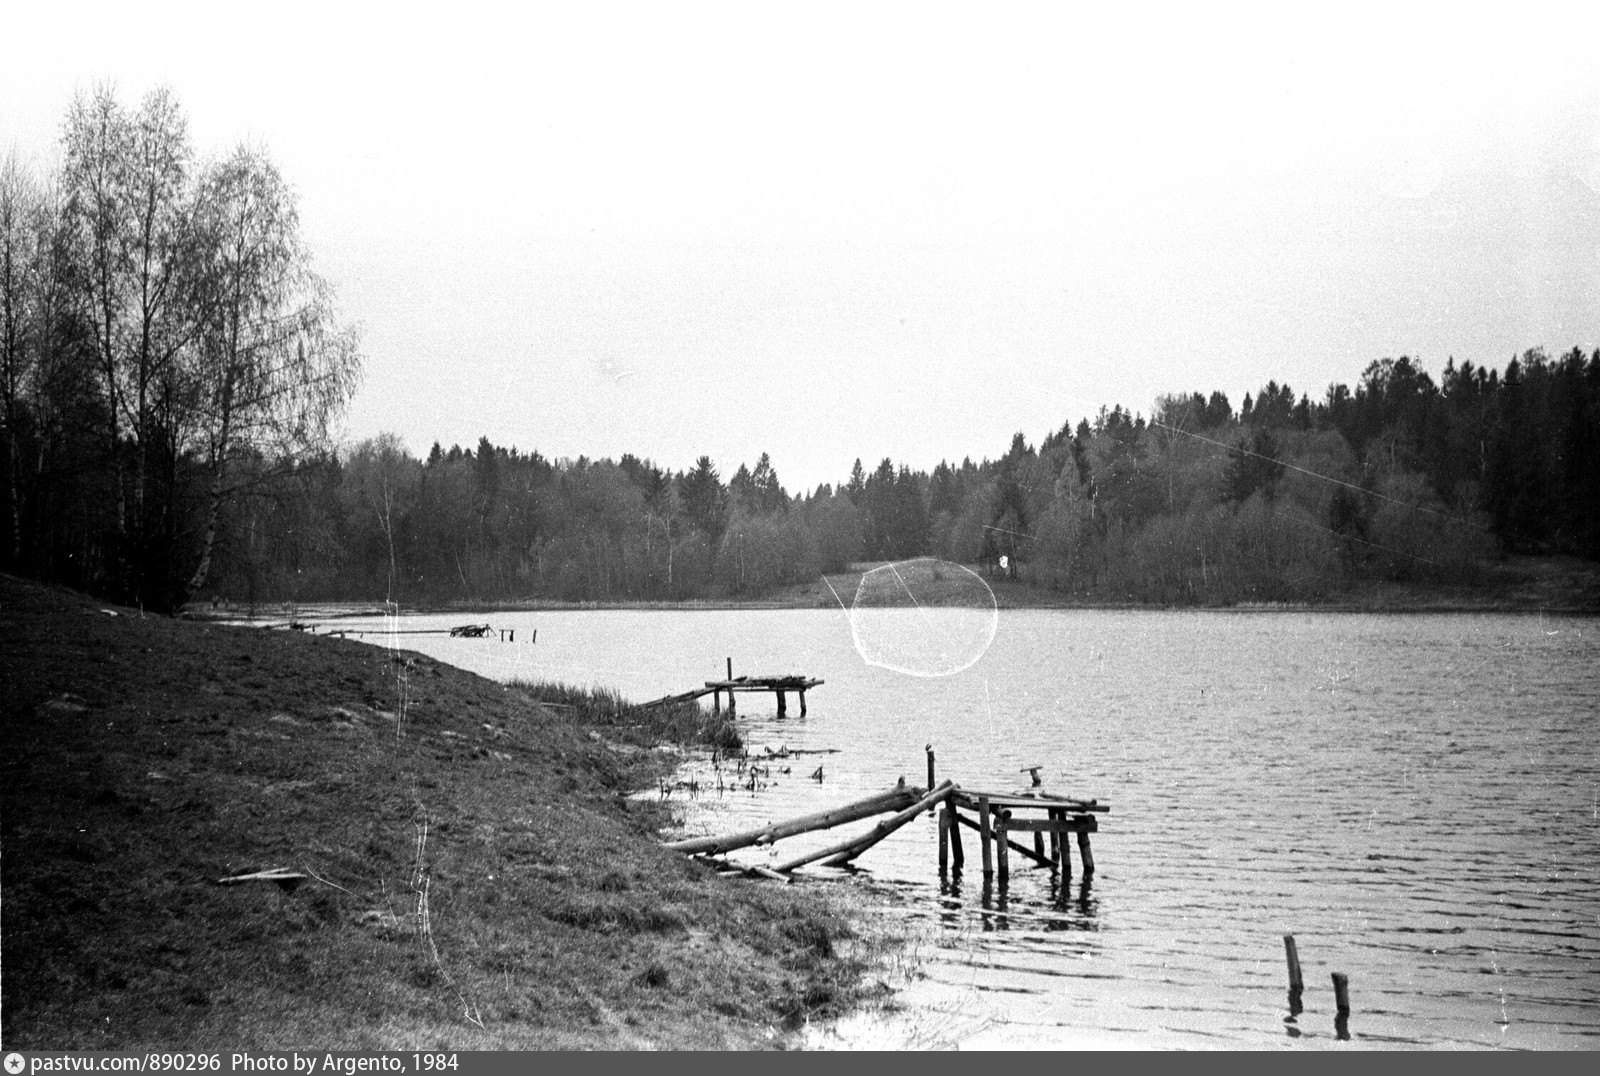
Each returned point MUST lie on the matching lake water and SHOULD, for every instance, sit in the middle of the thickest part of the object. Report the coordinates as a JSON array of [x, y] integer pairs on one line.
[[1415, 797]]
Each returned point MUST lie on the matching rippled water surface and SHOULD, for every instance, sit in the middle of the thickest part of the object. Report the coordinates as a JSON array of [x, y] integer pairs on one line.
[[1415, 797]]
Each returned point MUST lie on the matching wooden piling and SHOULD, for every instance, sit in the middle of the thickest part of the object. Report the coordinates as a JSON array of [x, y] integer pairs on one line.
[[983, 835], [1292, 954], [1341, 993], [930, 765], [1055, 838], [944, 840], [783, 707], [730, 690], [1020, 849], [958, 855], [1038, 844], [1002, 845], [803, 709], [1084, 852]]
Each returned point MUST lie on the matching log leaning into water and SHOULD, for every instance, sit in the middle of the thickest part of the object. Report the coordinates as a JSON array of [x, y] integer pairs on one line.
[[893, 799], [839, 854]]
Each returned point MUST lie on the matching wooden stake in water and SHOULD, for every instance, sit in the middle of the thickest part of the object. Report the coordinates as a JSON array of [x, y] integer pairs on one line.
[[1341, 999], [930, 766], [1296, 984]]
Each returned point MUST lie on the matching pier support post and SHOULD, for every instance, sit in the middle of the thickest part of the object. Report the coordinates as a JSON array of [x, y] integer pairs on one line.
[[1085, 853], [1002, 845], [803, 707], [716, 702], [984, 836], [944, 840], [930, 765], [1055, 835], [958, 856], [783, 706]]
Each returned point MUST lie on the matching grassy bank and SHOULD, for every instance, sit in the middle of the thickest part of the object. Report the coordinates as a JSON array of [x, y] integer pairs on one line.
[[476, 875]]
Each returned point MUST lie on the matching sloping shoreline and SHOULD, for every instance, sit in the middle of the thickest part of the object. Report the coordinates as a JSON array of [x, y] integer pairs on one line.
[[476, 875]]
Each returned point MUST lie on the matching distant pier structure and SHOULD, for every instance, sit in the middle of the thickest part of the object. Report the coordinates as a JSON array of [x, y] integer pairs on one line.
[[777, 685]]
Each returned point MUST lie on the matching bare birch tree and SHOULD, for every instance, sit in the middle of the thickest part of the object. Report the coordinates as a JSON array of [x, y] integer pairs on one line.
[[271, 365]]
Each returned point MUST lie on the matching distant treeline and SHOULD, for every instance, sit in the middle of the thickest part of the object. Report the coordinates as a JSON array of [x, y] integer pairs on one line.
[[1400, 478]]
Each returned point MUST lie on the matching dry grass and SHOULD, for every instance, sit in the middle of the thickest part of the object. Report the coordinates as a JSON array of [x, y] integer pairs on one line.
[[479, 877]]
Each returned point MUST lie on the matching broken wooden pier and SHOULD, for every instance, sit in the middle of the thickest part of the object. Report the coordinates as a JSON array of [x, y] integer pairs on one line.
[[777, 685], [1055, 823]]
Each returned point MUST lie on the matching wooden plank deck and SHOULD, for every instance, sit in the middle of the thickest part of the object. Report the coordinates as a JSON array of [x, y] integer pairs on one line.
[[777, 685]]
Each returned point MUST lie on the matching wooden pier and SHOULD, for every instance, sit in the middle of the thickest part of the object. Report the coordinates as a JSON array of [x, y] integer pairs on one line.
[[996, 817], [777, 685]]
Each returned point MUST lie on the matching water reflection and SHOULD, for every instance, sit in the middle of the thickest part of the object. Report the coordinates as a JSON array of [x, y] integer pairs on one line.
[[1052, 907]]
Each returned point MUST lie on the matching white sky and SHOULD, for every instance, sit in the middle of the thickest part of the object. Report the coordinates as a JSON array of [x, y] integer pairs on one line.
[[872, 230]]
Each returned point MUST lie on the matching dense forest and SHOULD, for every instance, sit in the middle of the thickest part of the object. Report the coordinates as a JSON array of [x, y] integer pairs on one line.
[[171, 367], [1402, 479], [165, 351]]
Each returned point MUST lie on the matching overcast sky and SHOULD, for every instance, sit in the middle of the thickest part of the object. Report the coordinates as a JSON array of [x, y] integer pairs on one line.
[[880, 230]]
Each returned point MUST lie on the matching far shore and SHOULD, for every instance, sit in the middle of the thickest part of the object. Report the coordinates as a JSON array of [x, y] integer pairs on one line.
[[1551, 585]]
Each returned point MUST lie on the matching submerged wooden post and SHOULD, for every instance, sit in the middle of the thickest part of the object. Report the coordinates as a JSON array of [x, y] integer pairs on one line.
[[1038, 844], [957, 854], [1296, 984], [983, 835], [944, 839], [803, 702], [730, 688], [1341, 993], [783, 709], [716, 702], [1002, 845], [930, 765], [1084, 852], [1054, 814]]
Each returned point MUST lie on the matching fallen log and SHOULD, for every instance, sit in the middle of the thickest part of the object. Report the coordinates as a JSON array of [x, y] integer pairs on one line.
[[884, 801], [839, 854]]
